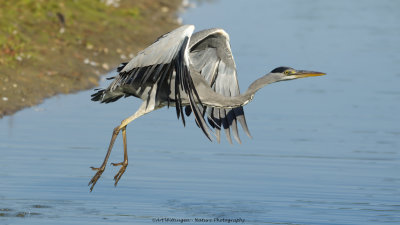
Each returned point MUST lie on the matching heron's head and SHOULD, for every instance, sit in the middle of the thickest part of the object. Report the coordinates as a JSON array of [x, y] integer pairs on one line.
[[287, 73]]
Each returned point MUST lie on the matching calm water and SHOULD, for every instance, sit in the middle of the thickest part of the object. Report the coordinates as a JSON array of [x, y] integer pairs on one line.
[[325, 150]]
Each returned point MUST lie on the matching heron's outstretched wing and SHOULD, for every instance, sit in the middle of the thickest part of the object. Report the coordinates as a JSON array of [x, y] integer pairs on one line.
[[157, 64], [211, 55]]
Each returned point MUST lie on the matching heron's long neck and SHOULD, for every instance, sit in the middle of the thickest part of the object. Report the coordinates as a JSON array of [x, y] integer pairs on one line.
[[260, 83], [257, 85], [213, 99]]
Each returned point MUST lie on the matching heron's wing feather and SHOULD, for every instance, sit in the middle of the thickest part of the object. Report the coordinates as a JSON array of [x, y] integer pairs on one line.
[[165, 62], [211, 55]]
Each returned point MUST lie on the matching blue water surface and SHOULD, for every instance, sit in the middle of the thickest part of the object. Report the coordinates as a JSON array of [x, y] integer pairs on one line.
[[325, 150]]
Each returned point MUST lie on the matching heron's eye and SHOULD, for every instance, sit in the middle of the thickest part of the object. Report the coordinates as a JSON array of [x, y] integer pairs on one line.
[[288, 72]]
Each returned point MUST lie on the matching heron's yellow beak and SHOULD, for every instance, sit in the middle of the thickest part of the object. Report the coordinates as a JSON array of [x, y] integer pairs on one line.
[[306, 73]]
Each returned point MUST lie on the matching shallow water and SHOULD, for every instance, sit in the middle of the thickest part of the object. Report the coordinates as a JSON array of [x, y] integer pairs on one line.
[[325, 150]]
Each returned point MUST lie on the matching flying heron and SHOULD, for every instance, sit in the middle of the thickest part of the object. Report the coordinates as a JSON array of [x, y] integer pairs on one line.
[[195, 73]]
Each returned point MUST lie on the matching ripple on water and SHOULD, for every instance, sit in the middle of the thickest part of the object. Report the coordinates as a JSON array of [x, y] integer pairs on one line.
[[8, 212]]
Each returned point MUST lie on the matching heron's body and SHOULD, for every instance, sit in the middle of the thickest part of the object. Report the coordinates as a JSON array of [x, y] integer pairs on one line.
[[197, 72]]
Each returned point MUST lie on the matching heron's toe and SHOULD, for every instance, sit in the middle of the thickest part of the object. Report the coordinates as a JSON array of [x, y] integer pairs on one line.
[[121, 171], [95, 168], [96, 177]]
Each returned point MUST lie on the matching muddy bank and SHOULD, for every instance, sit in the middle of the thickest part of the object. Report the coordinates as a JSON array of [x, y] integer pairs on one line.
[[52, 47]]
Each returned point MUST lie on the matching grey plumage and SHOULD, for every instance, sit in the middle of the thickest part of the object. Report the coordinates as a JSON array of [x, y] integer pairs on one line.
[[195, 74], [211, 55]]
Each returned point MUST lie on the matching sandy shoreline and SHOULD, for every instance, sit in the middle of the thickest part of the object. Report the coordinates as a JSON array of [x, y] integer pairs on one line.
[[69, 47]]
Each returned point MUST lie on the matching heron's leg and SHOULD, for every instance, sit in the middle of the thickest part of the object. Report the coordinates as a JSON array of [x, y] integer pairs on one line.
[[123, 164], [101, 169], [140, 112]]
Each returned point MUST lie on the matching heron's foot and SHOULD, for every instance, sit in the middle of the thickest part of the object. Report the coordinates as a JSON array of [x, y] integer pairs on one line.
[[120, 172], [94, 179]]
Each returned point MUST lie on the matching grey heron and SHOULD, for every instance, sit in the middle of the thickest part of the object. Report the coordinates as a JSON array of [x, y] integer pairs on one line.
[[195, 73]]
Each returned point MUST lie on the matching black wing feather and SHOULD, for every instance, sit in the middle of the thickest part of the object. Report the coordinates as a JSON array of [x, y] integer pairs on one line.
[[211, 56]]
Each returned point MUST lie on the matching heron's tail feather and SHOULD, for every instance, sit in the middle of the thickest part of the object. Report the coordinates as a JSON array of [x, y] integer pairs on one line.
[[121, 67], [105, 96]]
